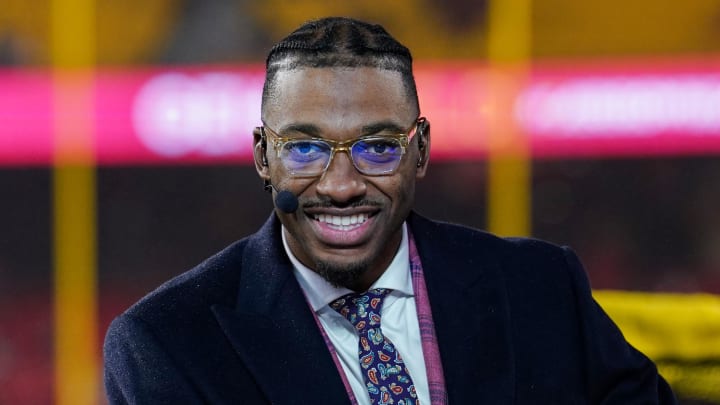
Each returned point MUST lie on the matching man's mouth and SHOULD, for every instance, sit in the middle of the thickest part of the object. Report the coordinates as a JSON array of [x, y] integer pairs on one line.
[[342, 222]]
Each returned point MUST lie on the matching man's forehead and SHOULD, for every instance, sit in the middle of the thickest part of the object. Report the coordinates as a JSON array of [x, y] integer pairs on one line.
[[339, 101], [340, 83], [357, 94]]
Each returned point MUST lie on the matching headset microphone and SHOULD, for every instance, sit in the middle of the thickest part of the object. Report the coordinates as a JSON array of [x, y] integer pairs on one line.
[[286, 201]]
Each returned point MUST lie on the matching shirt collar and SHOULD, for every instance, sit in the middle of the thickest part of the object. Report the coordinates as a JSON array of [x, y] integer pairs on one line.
[[320, 293]]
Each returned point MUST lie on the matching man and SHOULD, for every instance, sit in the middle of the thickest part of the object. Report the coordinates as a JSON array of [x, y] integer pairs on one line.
[[347, 296]]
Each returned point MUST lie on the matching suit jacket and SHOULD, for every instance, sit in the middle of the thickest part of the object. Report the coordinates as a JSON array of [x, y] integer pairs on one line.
[[514, 318]]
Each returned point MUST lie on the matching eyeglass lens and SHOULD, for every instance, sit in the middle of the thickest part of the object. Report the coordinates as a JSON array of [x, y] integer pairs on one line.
[[372, 156]]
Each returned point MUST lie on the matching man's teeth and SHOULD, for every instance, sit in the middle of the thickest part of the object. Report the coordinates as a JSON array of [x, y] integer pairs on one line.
[[342, 220]]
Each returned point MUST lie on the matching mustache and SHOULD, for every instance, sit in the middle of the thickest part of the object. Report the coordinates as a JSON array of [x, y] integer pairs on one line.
[[328, 203]]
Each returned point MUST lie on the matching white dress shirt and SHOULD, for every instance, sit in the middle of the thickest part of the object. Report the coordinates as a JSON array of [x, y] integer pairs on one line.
[[399, 319]]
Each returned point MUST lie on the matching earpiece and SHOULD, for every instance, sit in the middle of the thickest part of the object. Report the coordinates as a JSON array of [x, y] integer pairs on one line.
[[422, 128], [263, 146], [421, 132]]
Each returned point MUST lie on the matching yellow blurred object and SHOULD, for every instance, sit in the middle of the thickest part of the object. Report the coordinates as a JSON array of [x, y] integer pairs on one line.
[[509, 160], [680, 332], [125, 32], [697, 381], [615, 27], [76, 346], [677, 326], [134, 31]]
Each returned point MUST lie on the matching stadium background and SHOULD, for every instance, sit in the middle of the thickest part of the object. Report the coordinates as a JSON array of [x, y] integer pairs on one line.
[[92, 219]]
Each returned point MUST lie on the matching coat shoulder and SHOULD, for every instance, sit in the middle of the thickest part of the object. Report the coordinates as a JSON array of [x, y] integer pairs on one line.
[[214, 281], [169, 347], [517, 253]]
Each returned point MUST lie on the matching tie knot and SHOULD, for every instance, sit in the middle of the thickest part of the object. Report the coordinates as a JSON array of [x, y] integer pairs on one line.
[[362, 310]]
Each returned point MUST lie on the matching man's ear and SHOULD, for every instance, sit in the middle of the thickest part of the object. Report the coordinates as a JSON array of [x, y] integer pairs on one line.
[[260, 153], [423, 141]]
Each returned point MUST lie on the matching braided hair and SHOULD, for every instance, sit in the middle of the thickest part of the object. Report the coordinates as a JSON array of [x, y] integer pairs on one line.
[[339, 42]]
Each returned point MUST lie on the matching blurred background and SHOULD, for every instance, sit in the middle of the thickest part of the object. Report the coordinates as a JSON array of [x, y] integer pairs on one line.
[[125, 157]]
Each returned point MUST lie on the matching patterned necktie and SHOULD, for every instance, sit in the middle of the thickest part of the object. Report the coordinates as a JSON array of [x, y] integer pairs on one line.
[[386, 377]]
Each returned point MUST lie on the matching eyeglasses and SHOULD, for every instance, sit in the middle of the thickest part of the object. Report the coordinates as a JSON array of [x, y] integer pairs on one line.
[[372, 155]]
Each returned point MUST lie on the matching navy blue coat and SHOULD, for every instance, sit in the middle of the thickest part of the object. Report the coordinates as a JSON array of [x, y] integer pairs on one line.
[[514, 318]]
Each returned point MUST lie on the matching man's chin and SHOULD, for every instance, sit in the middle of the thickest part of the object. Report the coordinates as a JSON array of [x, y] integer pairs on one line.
[[341, 275]]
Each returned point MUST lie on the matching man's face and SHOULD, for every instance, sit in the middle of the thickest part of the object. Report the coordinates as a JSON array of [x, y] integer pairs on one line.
[[348, 225]]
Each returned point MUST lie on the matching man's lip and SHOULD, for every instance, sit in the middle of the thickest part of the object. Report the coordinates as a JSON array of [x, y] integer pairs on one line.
[[342, 212], [342, 222], [334, 218], [342, 228], [343, 236]]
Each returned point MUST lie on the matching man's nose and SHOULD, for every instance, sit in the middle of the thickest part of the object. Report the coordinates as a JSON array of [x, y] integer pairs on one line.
[[341, 182]]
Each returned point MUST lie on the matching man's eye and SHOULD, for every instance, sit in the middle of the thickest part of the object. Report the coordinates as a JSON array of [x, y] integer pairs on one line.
[[377, 151], [304, 147], [301, 150], [380, 147]]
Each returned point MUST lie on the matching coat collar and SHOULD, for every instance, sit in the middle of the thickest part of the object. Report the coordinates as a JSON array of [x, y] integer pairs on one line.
[[272, 326]]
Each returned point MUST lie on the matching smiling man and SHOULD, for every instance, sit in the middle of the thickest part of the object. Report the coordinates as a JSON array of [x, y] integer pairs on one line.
[[354, 201], [347, 296]]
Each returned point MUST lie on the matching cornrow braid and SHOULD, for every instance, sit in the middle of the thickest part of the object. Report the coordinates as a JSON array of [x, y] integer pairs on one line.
[[339, 42]]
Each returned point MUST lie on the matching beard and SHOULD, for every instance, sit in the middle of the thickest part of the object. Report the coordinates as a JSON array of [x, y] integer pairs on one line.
[[341, 275]]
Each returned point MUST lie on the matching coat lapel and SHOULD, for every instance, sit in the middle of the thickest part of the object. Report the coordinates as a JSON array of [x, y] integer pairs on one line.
[[470, 312], [273, 330]]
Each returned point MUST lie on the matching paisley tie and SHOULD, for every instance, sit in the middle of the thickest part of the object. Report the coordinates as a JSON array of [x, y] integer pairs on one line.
[[386, 377]]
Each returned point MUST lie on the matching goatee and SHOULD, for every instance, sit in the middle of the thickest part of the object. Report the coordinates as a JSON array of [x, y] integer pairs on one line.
[[346, 275]]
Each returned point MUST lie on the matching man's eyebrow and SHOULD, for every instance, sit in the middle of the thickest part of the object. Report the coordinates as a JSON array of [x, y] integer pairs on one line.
[[303, 128], [369, 129], [377, 127]]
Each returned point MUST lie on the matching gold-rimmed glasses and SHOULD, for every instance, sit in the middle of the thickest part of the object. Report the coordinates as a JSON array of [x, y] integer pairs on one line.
[[372, 155]]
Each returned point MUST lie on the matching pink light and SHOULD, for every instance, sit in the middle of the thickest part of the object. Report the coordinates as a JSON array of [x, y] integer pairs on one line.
[[622, 114], [25, 117], [189, 116], [205, 115], [212, 114], [642, 106]]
